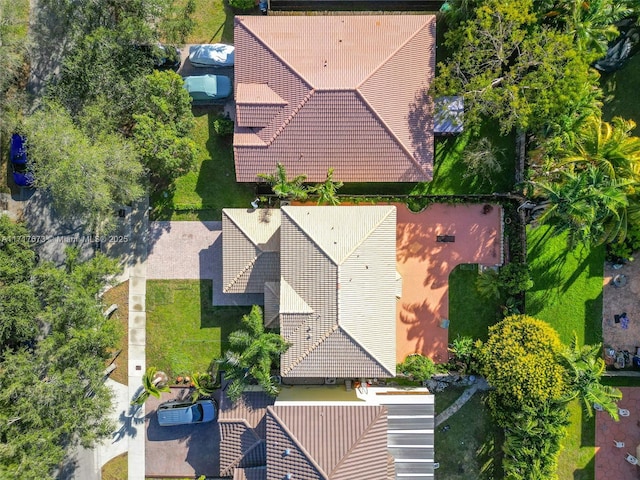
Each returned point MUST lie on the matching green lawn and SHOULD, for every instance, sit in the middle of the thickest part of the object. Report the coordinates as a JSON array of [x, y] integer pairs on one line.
[[577, 457], [203, 193], [471, 448], [621, 93], [567, 291], [184, 332], [214, 22], [445, 398], [469, 313]]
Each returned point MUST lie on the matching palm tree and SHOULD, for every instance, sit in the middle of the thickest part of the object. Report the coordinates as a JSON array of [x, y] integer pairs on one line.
[[153, 383], [284, 188], [589, 205], [327, 190], [607, 146], [591, 23], [585, 367], [250, 355], [203, 385]]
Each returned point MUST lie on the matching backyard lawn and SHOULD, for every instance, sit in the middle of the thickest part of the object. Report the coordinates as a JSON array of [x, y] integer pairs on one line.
[[469, 313], [184, 332], [213, 22], [567, 291], [577, 457], [203, 193], [471, 447]]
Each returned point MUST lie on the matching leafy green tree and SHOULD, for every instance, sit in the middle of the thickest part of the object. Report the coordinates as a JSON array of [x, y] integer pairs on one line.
[[12, 61], [87, 179], [586, 367], [521, 360], [162, 126], [327, 190], [242, 4], [510, 68], [53, 394], [418, 367], [515, 278], [251, 353], [153, 383], [283, 187]]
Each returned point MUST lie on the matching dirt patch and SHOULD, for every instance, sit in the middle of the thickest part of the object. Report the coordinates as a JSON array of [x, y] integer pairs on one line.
[[618, 300]]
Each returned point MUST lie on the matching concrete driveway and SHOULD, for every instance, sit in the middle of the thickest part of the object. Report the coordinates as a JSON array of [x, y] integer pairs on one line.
[[185, 451]]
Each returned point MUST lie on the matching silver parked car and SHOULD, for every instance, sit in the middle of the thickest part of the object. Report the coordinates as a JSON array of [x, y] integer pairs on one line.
[[181, 412], [212, 55]]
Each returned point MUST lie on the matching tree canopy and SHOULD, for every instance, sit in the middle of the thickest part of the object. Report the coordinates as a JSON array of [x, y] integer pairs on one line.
[[521, 360], [54, 343], [88, 179]]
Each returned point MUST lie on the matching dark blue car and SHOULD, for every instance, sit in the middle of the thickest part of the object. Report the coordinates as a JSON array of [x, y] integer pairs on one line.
[[22, 174]]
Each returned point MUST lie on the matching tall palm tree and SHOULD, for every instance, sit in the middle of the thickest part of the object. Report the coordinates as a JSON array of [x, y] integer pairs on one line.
[[283, 187], [327, 190], [585, 367], [589, 205], [251, 353]]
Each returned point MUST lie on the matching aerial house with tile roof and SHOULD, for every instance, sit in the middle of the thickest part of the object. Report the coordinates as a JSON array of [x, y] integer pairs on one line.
[[341, 92], [328, 275]]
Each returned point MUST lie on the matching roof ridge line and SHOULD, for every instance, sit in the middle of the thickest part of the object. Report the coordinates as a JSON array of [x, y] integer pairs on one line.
[[241, 273], [392, 54], [295, 440], [288, 120], [239, 458], [382, 411], [309, 350], [311, 239], [353, 339], [366, 235], [390, 131]]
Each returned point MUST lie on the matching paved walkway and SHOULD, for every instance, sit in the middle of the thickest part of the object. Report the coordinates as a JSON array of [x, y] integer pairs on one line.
[[481, 384], [137, 335]]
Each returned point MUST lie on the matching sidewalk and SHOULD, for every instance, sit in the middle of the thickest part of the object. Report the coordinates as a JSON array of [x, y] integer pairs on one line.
[[139, 222]]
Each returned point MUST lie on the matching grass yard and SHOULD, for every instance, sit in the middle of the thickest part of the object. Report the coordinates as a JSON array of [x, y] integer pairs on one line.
[[117, 468], [449, 169], [567, 291], [203, 193], [445, 398], [471, 448], [214, 22], [470, 314], [120, 296], [185, 333], [621, 93], [577, 457]]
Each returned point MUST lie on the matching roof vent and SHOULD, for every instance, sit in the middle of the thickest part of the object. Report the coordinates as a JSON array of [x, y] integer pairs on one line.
[[288, 476], [287, 452]]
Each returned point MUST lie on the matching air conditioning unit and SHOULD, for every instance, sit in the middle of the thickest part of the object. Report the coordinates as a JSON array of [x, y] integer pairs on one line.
[[330, 381]]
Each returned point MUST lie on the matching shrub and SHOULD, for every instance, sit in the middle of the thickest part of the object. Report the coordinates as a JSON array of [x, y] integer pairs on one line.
[[418, 367], [242, 4], [515, 278], [223, 126]]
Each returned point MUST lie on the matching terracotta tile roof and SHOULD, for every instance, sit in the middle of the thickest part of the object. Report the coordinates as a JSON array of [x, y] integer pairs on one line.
[[250, 249], [326, 442], [242, 428], [337, 264], [256, 473], [361, 110]]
